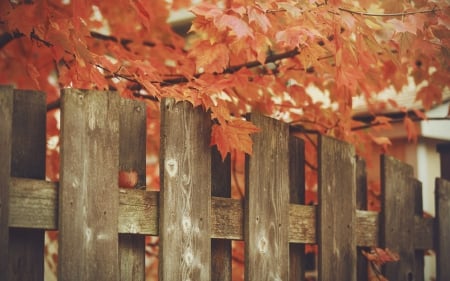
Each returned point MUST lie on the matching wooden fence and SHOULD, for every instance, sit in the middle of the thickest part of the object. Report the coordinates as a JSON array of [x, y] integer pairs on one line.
[[102, 228]]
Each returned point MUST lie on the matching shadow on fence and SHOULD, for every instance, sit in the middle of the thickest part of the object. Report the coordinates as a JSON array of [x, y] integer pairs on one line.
[[102, 228]]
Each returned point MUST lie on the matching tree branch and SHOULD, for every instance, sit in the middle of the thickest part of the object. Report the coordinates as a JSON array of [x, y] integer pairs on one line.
[[399, 120], [361, 13]]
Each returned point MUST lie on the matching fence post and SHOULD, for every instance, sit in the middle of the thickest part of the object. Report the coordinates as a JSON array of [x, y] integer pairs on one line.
[[444, 151], [6, 116], [132, 147], [337, 210], [296, 196], [88, 191], [185, 196], [266, 220], [442, 229], [26, 246], [397, 216]]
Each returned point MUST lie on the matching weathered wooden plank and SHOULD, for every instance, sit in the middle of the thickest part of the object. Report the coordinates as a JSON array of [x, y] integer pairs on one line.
[[221, 186], [444, 151], [88, 198], [302, 224], [419, 274], [6, 119], [337, 212], [397, 216], [132, 152], [424, 233], [296, 196], [138, 213], [266, 217], [443, 229], [361, 204], [185, 201], [34, 204], [26, 246]]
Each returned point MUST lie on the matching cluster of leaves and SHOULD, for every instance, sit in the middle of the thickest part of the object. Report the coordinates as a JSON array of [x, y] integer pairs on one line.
[[241, 56]]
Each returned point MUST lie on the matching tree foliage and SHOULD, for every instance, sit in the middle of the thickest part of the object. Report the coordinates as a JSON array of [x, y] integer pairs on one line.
[[238, 56]]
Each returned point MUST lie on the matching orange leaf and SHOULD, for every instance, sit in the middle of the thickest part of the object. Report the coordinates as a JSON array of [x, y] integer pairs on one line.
[[410, 129], [233, 134], [210, 58]]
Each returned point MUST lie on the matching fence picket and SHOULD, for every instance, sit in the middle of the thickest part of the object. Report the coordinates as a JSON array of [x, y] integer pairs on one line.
[[266, 223], [443, 229], [6, 119], [89, 197], [185, 196], [397, 217], [337, 213], [26, 246], [296, 196], [132, 151]]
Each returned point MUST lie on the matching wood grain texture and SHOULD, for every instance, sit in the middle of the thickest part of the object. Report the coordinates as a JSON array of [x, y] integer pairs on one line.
[[296, 196], [6, 119], [337, 213], [132, 152], [443, 229], [419, 261], [397, 216], [220, 186], [266, 220], [185, 197], [26, 246], [88, 198]]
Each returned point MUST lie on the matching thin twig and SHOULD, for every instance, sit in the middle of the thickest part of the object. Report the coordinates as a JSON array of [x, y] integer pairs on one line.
[[399, 120], [361, 13]]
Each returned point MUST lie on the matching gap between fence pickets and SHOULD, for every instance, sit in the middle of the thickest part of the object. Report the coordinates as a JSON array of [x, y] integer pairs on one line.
[[138, 213]]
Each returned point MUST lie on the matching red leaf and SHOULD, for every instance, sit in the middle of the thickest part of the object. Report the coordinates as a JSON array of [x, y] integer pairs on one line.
[[233, 134], [239, 27], [210, 58], [411, 129]]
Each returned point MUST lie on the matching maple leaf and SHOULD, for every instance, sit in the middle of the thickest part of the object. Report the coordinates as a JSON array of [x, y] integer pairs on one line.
[[259, 17], [411, 129], [239, 27], [233, 134], [403, 26], [295, 36], [210, 58]]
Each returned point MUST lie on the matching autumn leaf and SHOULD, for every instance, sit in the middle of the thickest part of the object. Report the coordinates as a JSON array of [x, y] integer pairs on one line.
[[411, 129], [233, 134], [238, 27], [259, 17], [210, 58], [380, 256]]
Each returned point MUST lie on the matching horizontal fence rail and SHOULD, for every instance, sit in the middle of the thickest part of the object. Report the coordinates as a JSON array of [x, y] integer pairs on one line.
[[138, 214], [102, 227]]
